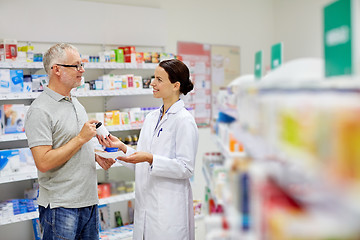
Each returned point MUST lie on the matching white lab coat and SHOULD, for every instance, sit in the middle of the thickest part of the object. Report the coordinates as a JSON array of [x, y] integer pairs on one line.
[[163, 195]]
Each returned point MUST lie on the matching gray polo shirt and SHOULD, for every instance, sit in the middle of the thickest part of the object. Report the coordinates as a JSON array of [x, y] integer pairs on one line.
[[54, 120]]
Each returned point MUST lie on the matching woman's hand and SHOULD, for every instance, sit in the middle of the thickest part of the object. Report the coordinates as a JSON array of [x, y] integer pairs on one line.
[[111, 142], [138, 157], [105, 163]]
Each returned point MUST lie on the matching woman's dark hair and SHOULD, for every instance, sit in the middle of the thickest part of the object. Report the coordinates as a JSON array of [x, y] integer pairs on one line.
[[178, 72]]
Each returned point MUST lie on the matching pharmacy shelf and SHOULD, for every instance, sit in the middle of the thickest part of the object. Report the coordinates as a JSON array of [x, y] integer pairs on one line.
[[226, 152], [119, 92], [19, 218], [22, 136], [15, 64], [33, 175], [32, 215], [88, 65], [117, 198], [124, 233], [12, 137], [124, 127], [92, 93], [112, 65], [207, 178], [20, 95], [18, 177]]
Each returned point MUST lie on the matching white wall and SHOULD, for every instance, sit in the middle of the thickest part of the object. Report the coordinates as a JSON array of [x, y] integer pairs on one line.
[[243, 23], [299, 24]]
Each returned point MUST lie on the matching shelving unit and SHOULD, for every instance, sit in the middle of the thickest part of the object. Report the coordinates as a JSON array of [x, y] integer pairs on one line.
[[118, 99], [32, 215], [299, 158]]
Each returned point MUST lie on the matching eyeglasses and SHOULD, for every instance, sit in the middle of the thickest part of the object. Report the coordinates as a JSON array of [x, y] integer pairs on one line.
[[77, 66]]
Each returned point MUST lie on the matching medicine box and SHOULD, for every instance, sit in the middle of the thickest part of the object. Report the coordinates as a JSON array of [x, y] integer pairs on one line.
[[27, 83], [38, 82], [14, 118], [8, 49], [17, 80], [9, 161], [4, 80], [119, 55]]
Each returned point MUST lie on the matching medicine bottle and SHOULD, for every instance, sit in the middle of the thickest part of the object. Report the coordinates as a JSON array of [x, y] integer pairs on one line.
[[101, 130]]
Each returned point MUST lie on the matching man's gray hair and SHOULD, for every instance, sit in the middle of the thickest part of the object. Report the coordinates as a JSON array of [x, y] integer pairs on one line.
[[56, 54]]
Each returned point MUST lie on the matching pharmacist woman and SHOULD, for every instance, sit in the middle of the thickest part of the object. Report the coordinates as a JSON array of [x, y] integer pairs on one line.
[[164, 161]]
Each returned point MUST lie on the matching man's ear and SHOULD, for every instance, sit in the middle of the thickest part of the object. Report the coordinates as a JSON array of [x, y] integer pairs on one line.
[[56, 70]]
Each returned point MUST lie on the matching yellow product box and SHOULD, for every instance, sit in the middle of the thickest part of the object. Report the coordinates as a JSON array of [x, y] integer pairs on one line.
[[116, 117]]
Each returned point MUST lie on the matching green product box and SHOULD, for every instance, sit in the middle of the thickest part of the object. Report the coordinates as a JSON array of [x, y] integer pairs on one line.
[[119, 55]]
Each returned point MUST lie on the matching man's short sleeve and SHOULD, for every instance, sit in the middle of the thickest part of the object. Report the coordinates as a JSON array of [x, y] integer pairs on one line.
[[38, 128]]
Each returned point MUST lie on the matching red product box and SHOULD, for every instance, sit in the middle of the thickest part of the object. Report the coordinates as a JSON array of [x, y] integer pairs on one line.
[[129, 54], [8, 49], [104, 190]]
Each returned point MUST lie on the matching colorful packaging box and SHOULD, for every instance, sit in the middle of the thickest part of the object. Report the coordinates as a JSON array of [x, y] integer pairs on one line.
[[147, 57], [17, 81], [140, 57], [27, 83], [14, 118], [8, 50], [119, 55]]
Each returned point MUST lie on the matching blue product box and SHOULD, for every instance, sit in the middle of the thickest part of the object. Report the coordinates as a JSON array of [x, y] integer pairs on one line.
[[9, 161], [37, 229], [17, 80]]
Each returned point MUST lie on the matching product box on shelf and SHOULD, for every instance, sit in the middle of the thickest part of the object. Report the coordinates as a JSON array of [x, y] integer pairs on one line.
[[166, 56], [8, 49], [119, 55], [139, 57], [27, 83], [130, 80], [108, 121], [147, 57], [96, 115], [37, 229], [146, 82], [28, 50], [104, 190], [117, 82], [129, 54], [14, 118], [17, 80], [9, 161], [138, 83], [38, 82], [16, 160], [5, 80], [104, 217], [155, 57]]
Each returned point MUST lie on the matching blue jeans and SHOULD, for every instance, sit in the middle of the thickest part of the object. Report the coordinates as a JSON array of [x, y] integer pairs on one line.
[[69, 223]]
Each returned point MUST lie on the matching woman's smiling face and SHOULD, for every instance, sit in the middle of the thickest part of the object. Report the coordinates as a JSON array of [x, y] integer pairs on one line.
[[162, 87]]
